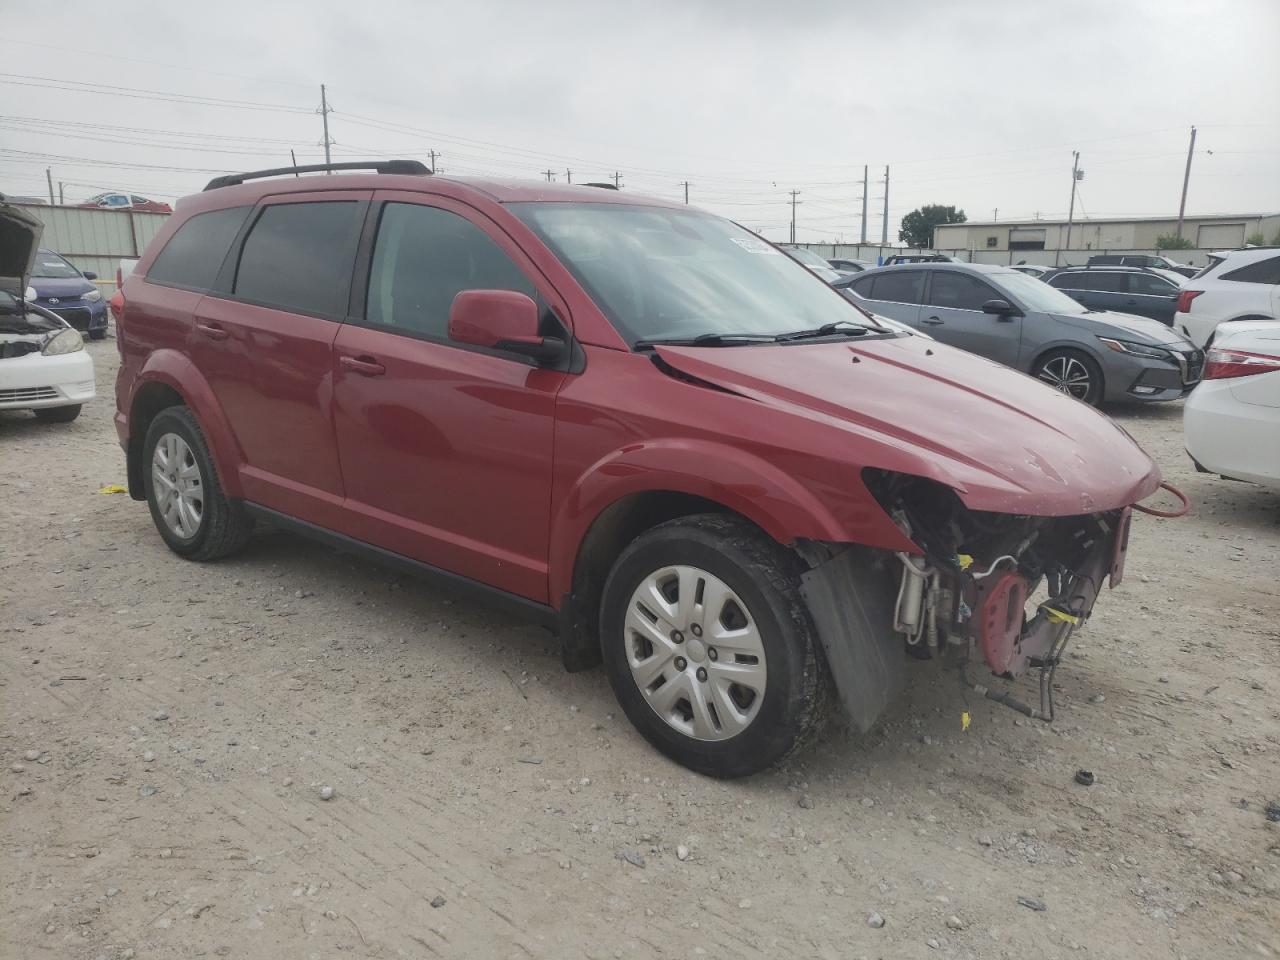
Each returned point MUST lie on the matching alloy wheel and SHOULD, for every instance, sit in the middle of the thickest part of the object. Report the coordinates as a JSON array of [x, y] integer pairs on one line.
[[178, 486], [1067, 374], [695, 653]]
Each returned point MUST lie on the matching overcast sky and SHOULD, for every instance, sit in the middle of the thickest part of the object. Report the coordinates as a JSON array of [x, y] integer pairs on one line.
[[977, 104]]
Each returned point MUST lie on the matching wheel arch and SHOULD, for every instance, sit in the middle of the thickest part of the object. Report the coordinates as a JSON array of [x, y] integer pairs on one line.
[[170, 379]]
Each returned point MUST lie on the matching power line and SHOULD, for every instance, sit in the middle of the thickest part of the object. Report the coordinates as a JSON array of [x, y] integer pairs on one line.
[[137, 93]]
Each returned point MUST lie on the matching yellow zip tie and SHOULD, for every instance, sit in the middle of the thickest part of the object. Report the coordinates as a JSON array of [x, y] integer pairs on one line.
[[114, 488], [1060, 616]]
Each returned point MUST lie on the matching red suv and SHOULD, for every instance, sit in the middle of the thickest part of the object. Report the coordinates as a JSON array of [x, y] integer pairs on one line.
[[636, 422]]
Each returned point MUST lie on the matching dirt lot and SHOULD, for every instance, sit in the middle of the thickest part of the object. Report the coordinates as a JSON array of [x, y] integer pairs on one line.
[[167, 728]]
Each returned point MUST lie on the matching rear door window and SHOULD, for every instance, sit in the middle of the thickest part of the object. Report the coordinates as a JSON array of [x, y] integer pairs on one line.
[[1151, 286], [862, 287], [194, 254], [898, 286], [299, 256], [959, 291]]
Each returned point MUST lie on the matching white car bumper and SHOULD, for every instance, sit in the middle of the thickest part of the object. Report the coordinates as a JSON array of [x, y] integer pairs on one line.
[[38, 381], [1232, 438]]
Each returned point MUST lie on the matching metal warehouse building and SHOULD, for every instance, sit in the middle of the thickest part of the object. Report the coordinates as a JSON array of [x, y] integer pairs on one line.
[[1218, 232]]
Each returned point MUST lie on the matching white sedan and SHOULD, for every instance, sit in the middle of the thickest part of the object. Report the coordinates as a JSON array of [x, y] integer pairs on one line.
[[1231, 421], [43, 364]]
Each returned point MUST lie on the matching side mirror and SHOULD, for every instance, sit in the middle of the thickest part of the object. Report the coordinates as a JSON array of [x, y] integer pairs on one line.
[[501, 320], [89, 275], [1001, 308]]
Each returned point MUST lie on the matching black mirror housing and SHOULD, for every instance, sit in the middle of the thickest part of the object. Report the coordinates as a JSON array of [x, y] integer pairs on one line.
[[1001, 308]]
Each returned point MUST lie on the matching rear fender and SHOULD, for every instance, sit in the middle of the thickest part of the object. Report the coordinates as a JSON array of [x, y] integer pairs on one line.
[[178, 372]]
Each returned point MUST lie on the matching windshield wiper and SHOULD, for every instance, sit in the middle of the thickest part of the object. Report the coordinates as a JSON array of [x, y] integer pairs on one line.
[[707, 340], [826, 330]]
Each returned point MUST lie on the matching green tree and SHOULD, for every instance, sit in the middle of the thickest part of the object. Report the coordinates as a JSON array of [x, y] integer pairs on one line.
[[1169, 241], [917, 226]]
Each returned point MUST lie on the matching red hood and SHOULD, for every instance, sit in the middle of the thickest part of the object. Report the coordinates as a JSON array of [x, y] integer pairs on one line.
[[1003, 441]]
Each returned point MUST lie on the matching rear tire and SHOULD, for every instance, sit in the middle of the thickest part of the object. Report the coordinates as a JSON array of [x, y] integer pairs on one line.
[[194, 517], [99, 334], [710, 648], [57, 414], [1071, 372]]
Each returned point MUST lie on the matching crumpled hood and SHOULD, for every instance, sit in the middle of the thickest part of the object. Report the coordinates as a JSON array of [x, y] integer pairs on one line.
[[1124, 325], [19, 238], [1005, 442]]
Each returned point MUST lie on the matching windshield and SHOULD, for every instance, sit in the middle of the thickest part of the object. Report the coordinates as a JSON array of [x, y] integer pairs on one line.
[[663, 274], [50, 266], [1034, 294]]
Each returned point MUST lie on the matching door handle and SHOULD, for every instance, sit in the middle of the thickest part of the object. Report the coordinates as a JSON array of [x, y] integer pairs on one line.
[[365, 366], [933, 321], [213, 331]]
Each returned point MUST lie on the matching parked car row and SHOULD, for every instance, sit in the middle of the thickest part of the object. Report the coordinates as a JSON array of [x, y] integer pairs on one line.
[[1024, 323]]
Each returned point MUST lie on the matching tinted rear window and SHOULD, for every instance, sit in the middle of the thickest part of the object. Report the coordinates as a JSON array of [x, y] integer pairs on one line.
[[193, 256], [299, 256]]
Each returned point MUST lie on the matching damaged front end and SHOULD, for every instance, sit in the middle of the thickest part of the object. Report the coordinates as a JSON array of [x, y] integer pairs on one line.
[[1011, 589]]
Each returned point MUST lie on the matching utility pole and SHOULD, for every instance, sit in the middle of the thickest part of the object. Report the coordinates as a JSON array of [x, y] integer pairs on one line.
[[48, 173], [432, 154], [1076, 174], [864, 204], [549, 174], [617, 180], [884, 236], [686, 191], [794, 201], [995, 215], [1186, 179], [568, 175], [294, 157], [324, 117]]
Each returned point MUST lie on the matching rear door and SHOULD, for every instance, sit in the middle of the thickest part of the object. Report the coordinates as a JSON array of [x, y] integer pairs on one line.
[[952, 313], [1101, 289], [268, 339]]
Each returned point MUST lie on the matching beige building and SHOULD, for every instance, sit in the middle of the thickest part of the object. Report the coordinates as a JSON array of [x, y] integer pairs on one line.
[[1117, 235]]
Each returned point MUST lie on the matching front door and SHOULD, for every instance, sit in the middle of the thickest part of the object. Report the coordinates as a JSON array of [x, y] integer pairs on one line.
[[952, 313], [446, 449]]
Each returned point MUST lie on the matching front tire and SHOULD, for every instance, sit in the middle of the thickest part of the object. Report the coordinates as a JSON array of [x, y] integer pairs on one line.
[[710, 648], [57, 414], [195, 518], [1071, 372]]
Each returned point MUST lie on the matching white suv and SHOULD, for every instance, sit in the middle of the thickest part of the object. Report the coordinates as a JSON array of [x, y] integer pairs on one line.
[[1236, 285]]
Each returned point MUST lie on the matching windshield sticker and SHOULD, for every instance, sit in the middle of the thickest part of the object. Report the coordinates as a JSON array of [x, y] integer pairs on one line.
[[755, 245]]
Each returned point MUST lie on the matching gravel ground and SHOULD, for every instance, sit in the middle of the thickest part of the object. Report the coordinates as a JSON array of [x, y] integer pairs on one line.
[[170, 731]]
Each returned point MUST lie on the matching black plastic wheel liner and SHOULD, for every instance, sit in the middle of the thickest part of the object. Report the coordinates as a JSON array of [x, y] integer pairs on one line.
[[851, 599]]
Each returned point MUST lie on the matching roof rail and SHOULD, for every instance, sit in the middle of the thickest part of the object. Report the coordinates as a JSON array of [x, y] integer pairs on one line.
[[602, 186], [380, 166]]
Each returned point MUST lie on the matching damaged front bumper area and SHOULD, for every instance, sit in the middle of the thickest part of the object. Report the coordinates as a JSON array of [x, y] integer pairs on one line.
[[1009, 590]]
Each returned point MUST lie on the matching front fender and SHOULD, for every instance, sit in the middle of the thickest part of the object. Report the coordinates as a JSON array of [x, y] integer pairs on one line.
[[735, 478], [176, 370]]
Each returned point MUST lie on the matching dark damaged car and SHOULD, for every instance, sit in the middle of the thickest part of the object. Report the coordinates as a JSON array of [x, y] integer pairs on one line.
[[640, 424]]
